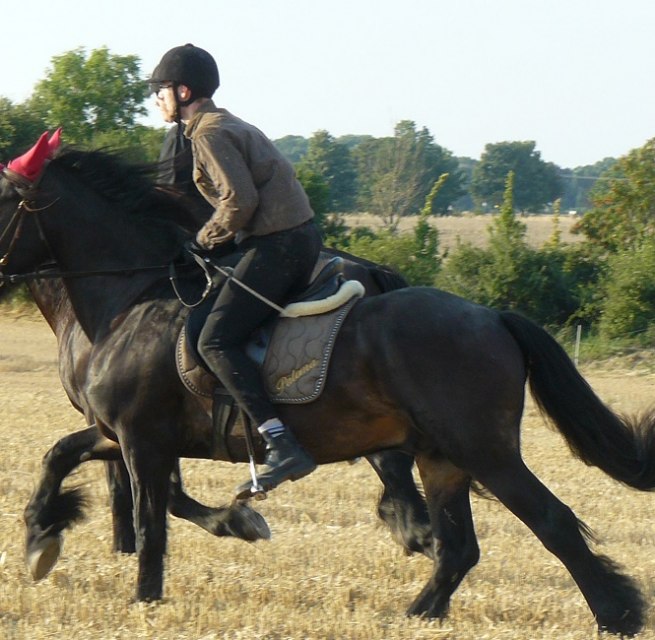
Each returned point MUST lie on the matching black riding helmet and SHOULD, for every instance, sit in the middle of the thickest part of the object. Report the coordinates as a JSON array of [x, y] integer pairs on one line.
[[188, 65]]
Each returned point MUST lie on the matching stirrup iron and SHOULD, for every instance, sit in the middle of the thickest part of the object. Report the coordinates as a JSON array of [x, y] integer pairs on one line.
[[256, 489]]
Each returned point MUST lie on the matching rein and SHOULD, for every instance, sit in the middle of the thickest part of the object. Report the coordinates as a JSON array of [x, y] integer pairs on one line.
[[52, 274]]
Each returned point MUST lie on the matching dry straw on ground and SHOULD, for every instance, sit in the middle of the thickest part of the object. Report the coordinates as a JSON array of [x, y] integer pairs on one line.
[[474, 228], [330, 571]]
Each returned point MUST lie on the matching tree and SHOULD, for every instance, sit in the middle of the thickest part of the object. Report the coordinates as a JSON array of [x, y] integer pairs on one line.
[[317, 191], [536, 182], [628, 306], [293, 148], [7, 128], [353, 140], [623, 203], [20, 128], [140, 144], [579, 182], [465, 201], [332, 161], [415, 255], [396, 174], [509, 274], [90, 94]]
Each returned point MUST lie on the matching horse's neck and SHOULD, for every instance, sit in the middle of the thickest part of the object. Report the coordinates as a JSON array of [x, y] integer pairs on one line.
[[86, 236], [52, 300]]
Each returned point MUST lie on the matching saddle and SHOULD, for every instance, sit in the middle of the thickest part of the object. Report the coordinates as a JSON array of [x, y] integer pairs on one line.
[[293, 350]]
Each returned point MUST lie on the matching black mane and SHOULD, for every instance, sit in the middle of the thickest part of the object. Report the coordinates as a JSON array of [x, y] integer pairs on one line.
[[130, 186]]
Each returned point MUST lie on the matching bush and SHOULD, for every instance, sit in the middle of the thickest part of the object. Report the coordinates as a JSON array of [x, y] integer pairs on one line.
[[415, 255], [549, 285], [629, 300], [15, 298]]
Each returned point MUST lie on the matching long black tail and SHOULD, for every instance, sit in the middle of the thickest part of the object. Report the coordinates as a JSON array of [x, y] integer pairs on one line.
[[623, 448]]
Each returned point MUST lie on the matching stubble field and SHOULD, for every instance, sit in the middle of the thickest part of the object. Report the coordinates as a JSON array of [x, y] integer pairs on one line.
[[330, 571], [474, 228]]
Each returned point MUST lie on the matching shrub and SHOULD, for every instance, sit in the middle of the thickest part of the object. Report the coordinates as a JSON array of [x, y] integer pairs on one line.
[[629, 300]]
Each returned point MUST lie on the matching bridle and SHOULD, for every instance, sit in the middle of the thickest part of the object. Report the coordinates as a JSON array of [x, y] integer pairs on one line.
[[13, 232], [16, 223]]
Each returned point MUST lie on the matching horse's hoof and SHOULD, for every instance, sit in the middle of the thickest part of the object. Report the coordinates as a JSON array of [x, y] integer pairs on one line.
[[43, 557], [249, 525]]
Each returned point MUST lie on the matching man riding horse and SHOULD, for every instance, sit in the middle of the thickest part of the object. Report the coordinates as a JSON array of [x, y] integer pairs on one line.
[[261, 206]]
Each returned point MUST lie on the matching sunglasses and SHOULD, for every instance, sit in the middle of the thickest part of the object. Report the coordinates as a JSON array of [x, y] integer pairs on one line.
[[158, 87]]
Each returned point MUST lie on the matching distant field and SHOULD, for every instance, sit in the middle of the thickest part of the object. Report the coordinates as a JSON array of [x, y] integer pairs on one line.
[[473, 228], [330, 572]]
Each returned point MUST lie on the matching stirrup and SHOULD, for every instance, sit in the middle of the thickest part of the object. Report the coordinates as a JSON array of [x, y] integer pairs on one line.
[[249, 490]]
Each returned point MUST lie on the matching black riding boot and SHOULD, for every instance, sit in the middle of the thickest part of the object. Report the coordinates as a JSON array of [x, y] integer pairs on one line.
[[285, 460]]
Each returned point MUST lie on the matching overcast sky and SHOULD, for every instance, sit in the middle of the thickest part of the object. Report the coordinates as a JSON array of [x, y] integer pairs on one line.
[[576, 76]]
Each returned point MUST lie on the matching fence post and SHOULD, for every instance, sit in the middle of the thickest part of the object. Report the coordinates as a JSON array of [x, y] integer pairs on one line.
[[578, 335]]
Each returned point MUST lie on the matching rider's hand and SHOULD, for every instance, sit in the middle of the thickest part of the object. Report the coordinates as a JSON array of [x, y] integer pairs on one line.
[[194, 253], [192, 247]]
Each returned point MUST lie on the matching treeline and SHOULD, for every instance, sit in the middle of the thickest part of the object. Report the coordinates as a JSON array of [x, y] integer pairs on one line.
[[100, 97], [391, 176], [604, 282]]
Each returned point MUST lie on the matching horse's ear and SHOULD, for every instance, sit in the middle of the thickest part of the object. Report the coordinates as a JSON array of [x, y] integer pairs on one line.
[[30, 164], [54, 142]]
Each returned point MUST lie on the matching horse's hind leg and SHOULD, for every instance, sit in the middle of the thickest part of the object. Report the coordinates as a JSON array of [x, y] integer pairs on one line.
[[49, 512], [612, 597], [456, 549], [122, 507], [401, 506]]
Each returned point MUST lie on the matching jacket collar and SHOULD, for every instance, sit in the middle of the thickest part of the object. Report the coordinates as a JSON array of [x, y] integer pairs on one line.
[[206, 107]]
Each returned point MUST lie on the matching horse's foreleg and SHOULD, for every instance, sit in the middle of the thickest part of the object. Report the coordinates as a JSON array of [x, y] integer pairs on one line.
[[49, 512], [456, 549], [150, 471], [402, 507], [237, 520]]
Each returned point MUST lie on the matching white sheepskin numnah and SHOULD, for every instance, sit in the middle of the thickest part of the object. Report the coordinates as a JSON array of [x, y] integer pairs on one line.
[[349, 289]]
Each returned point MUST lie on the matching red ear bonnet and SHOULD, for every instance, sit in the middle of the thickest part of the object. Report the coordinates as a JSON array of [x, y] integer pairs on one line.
[[31, 163], [54, 142]]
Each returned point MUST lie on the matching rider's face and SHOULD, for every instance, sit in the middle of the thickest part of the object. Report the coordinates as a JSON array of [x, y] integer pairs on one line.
[[165, 101]]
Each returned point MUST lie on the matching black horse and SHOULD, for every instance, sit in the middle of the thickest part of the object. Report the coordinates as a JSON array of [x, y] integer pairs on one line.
[[416, 368], [50, 511]]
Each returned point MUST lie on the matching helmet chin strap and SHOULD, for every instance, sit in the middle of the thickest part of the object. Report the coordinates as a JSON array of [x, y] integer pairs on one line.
[[180, 103]]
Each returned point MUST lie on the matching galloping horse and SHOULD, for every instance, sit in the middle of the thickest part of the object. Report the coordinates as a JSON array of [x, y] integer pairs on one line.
[[50, 511], [416, 368]]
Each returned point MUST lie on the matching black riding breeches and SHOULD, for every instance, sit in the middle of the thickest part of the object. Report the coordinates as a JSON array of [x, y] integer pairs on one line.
[[277, 266]]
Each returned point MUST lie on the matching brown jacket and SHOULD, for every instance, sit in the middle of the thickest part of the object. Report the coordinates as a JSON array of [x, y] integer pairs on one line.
[[251, 185]]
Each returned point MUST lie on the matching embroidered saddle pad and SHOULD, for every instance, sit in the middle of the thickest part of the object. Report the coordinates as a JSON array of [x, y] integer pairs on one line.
[[297, 358]]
